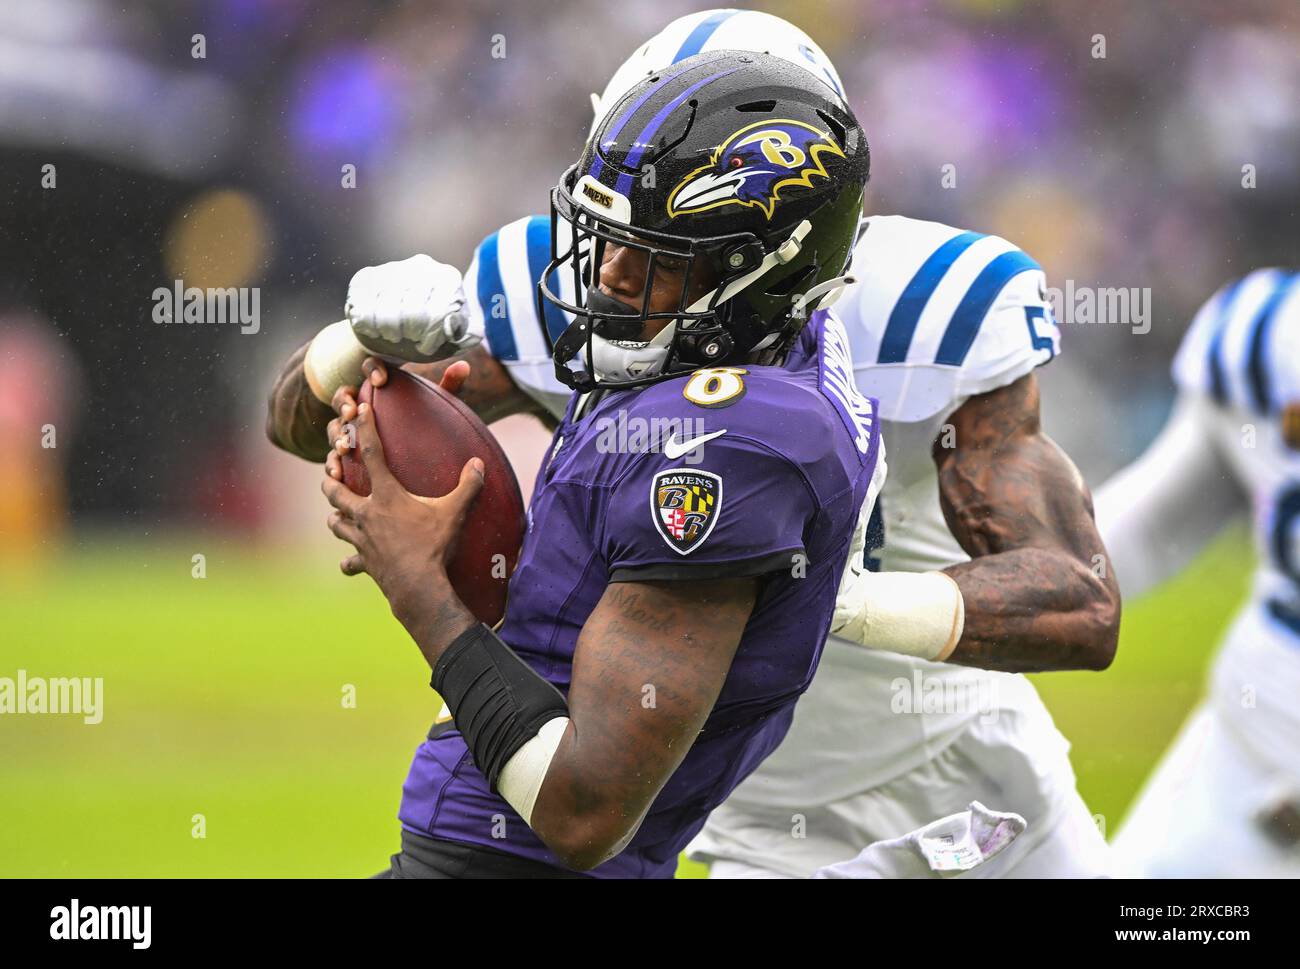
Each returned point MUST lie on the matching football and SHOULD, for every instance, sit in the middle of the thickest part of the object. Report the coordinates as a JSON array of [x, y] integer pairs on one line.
[[428, 435]]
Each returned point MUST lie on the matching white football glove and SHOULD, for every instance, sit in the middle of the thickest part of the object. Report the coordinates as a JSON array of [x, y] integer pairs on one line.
[[410, 310]]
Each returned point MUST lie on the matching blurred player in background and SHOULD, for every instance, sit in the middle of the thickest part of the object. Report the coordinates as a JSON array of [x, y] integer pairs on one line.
[[949, 325], [36, 425], [1225, 800]]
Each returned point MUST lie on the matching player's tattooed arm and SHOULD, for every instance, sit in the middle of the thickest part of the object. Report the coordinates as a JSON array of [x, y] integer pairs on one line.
[[489, 390], [1039, 590], [296, 421], [649, 666]]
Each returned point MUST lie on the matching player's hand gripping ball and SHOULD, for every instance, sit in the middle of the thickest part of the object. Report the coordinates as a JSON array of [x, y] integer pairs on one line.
[[425, 439]]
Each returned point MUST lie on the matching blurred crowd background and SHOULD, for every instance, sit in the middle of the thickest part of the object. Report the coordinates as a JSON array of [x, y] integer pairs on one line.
[[228, 169]]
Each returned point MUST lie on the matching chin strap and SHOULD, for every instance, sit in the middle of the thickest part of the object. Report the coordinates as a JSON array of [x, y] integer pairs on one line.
[[823, 295], [779, 256], [820, 297]]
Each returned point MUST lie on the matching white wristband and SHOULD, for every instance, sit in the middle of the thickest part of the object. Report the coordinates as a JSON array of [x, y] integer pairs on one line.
[[918, 614], [333, 360], [521, 777]]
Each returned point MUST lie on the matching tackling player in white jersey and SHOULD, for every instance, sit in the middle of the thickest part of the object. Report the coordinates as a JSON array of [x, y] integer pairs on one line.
[[1225, 800], [946, 329]]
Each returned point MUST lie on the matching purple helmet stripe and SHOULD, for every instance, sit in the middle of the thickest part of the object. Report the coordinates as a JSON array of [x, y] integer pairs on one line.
[[639, 146], [598, 165]]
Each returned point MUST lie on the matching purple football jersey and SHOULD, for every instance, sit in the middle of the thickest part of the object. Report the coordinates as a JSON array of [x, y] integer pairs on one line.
[[776, 491]]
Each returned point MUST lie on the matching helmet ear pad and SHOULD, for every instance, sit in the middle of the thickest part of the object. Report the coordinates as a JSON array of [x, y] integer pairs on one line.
[[741, 258], [741, 328], [704, 350]]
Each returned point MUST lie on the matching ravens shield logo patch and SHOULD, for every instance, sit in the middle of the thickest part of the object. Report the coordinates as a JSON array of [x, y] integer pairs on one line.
[[685, 507], [1291, 425]]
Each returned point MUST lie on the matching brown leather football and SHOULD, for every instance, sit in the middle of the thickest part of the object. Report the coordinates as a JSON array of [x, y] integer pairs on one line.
[[428, 435]]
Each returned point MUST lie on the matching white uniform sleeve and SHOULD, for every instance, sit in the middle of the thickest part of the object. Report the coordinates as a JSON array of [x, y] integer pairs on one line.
[[939, 315], [1018, 334], [501, 303], [1157, 514]]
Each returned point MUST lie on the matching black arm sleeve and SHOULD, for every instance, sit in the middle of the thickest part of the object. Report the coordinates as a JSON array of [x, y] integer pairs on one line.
[[498, 701]]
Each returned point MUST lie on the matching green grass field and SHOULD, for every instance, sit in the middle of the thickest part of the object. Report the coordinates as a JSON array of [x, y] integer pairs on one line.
[[223, 697]]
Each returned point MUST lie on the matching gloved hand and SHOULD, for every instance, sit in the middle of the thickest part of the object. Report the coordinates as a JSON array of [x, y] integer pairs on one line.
[[411, 310]]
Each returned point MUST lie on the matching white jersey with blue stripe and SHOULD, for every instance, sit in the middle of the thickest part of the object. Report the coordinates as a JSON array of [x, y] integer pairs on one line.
[[501, 301], [937, 315], [1242, 352], [940, 314]]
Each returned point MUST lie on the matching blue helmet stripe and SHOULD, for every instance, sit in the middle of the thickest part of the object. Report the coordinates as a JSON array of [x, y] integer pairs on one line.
[[624, 183], [811, 59], [970, 312], [907, 311], [598, 165], [1259, 377], [491, 295], [1218, 385], [539, 254], [701, 34]]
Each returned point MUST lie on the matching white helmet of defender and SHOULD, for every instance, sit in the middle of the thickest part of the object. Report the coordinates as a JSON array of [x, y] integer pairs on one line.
[[717, 30]]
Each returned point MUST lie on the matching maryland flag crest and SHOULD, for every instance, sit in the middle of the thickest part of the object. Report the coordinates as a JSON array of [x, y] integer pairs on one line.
[[685, 506]]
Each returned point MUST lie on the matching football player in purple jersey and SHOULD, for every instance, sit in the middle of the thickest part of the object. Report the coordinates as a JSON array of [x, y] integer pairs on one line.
[[946, 328], [671, 602]]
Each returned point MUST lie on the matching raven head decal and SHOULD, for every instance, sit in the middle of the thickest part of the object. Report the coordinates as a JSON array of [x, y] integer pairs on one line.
[[752, 167]]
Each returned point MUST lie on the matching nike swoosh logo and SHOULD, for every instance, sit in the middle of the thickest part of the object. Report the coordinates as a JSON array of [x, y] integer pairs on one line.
[[674, 449]]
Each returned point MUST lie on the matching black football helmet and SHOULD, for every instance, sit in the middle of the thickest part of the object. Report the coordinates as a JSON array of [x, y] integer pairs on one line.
[[736, 158]]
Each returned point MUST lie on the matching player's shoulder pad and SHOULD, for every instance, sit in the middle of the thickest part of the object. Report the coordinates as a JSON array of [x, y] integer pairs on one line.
[[747, 466], [501, 291], [813, 418], [501, 302], [1243, 346], [939, 314]]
